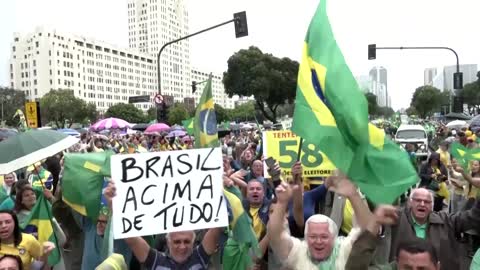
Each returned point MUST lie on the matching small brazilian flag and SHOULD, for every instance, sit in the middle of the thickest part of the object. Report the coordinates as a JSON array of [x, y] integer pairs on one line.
[[205, 122], [83, 181], [236, 254], [188, 125], [332, 112], [39, 224]]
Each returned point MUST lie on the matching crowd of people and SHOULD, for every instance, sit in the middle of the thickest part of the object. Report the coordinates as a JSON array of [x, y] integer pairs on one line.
[[299, 222]]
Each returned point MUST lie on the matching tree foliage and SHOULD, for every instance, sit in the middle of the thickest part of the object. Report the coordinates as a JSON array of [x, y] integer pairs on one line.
[[12, 101], [243, 112], [221, 113], [426, 99], [271, 80], [64, 109], [177, 113], [471, 95], [127, 112], [151, 114]]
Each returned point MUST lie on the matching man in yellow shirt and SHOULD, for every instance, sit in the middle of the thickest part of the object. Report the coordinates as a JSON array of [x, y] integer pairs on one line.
[[257, 206]]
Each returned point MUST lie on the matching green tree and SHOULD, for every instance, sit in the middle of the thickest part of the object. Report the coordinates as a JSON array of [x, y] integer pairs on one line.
[[471, 95], [426, 99], [271, 80], [386, 112], [243, 112], [127, 112], [177, 113], [12, 100], [372, 103], [64, 109], [410, 111], [151, 114], [221, 113]]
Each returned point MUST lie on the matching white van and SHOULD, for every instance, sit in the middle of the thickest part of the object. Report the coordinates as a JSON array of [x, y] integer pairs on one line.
[[413, 134]]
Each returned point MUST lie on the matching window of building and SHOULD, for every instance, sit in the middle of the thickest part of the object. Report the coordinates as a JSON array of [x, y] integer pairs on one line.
[[34, 72], [36, 92]]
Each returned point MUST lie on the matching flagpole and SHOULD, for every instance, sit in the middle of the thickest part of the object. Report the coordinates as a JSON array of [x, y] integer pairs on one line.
[[296, 178], [299, 153]]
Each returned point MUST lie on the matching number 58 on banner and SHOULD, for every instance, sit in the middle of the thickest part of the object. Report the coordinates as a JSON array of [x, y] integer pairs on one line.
[[283, 146]]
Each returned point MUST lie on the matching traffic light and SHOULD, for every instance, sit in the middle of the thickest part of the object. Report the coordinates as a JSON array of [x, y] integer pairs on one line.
[[372, 51], [458, 80], [241, 26], [194, 87]]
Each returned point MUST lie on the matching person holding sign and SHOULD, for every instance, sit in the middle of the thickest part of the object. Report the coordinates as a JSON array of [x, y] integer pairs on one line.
[[182, 254]]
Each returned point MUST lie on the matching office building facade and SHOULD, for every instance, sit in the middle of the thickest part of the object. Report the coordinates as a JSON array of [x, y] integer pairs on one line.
[[96, 71]]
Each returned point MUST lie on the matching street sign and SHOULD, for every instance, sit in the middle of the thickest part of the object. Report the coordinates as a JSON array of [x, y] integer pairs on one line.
[[138, 99], [158, 99], [31, 114]]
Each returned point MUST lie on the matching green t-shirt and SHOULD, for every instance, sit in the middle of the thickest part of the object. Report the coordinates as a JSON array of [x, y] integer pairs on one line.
[[420, 230]]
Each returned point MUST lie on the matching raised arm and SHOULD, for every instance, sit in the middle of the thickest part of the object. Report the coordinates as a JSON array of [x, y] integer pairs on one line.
[[138, 245], [211, 239], [475, 181], [297, 172], [341, 185], [282, 242], [363, 250]]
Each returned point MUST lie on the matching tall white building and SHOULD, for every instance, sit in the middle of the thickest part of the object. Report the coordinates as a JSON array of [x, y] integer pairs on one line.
[[151, 24], [218, 90], [378, 80], [428, 76], [96, 71]]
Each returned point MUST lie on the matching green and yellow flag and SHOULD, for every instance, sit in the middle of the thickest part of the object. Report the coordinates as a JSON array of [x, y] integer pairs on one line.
[[188, 125], [83, 180], [205, 122], [464, 155], [236, 254], [332, 112], [39, 224]]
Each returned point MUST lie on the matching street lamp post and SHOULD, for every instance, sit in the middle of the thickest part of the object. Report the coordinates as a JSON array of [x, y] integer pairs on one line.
[[457, 77], [241, 30]]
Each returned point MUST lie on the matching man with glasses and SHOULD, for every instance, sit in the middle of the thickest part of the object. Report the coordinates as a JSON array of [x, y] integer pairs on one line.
[[321, 249], [418, 220]]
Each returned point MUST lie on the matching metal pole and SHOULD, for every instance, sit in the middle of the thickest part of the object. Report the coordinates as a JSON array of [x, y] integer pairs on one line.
[[177, 40], [423, 48], [159, 70]]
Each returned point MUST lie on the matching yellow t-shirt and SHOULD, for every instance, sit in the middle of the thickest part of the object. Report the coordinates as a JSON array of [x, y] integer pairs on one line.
[[444, 157], [27, 250], [258, 226], [347, 223]]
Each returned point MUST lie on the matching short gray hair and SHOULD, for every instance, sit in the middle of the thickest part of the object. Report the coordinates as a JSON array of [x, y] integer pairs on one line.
[[429, 192], [318, 218], [193, 235]]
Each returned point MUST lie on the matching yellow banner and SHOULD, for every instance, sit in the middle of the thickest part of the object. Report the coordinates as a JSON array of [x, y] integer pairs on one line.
[[31, 113], [283, 146]]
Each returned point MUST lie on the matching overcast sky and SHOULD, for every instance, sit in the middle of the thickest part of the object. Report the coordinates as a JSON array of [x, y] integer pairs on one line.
[[278, 27]]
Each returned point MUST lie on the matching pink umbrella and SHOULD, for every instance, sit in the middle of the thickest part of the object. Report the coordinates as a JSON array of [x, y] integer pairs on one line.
[[155, 128], [110, 123]]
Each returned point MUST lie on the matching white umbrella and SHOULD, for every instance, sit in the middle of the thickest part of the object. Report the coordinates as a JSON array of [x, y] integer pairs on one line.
[[457, 124]]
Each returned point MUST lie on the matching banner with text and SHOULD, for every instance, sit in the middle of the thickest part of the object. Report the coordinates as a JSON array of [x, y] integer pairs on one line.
[[170, 191], [283, 145]]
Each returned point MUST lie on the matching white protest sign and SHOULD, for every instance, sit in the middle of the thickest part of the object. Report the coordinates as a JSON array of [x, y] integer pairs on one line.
[[162, 192]]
